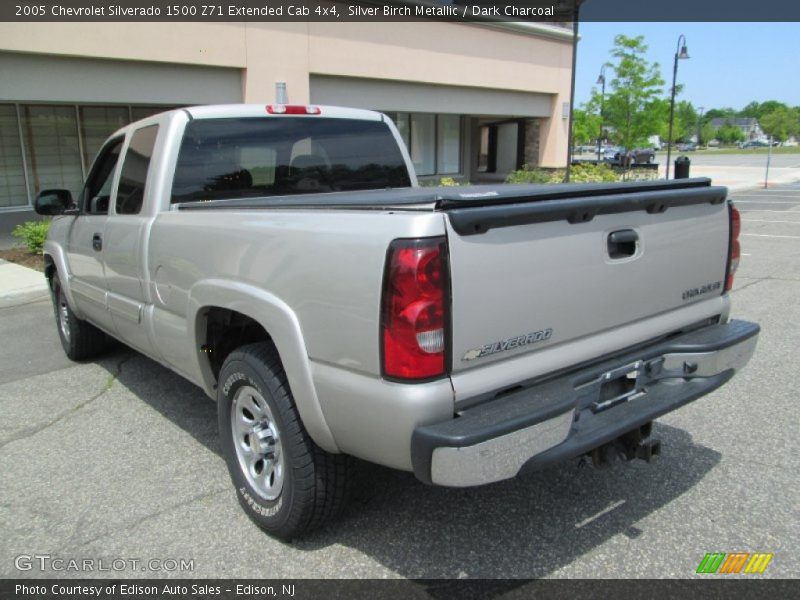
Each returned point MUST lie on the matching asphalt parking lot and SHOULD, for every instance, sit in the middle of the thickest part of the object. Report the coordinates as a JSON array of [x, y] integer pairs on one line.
[[119, 459]]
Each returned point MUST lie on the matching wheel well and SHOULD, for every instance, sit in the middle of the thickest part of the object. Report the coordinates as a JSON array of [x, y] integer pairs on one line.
[[49, 269], [225, 331]]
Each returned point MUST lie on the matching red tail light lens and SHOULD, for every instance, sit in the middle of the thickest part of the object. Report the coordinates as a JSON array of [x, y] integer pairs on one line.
[[734, 249], [414, 309]]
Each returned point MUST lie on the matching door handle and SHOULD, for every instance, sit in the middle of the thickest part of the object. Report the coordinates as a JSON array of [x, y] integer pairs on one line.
[[625, 236], [622, 243], [97, 242]]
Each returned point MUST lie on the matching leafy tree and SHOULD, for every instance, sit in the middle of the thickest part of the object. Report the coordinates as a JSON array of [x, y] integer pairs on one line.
[[634, 107], [707, 133], [729, 134], [585, 126], [751, 110], [717, 113], [781, 123], [685, 121]]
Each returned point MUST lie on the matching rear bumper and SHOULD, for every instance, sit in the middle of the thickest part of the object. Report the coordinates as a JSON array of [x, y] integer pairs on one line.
[[575, 413]]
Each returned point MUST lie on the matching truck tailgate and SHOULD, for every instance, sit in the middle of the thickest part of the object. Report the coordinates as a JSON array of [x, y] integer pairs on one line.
[[531, 275]]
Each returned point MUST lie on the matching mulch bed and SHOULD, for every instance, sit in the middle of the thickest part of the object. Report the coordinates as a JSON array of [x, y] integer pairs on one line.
[[21, 256]]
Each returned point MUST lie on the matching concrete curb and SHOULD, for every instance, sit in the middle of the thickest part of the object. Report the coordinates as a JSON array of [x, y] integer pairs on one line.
[[20, 285]]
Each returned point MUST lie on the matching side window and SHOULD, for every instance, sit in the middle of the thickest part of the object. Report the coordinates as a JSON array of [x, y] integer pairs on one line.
[[135, 165], [97, 191]]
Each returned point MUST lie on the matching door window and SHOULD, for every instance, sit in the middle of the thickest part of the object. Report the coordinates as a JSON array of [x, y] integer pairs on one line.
[[97, 191], [130, 195]]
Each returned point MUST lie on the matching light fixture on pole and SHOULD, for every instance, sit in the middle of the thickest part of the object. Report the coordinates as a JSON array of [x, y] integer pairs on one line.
[[601, 80], [680, 54]]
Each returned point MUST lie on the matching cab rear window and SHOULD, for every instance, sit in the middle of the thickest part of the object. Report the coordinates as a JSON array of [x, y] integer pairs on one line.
[[252, 157]]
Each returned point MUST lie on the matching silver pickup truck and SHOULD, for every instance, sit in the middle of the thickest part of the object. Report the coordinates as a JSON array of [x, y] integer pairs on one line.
[[284, 259]]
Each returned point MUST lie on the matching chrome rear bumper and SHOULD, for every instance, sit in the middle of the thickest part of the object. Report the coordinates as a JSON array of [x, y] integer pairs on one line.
[[580, 411]]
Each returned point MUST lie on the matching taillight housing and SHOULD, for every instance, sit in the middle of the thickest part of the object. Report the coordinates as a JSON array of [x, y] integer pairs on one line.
[[734, 248], [415, 310]]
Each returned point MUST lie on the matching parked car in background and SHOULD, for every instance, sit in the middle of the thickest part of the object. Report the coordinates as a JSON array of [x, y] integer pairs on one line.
[[687, 147], [754, 144], [609, 151], [636, 156]]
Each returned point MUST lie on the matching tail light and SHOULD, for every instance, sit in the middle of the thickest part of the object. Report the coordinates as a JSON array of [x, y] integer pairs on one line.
[[734, 249], [414, 314], [292, 109]]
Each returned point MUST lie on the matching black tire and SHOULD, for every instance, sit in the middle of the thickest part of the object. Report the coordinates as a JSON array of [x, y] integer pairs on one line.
[[315, 485], [80, 339]]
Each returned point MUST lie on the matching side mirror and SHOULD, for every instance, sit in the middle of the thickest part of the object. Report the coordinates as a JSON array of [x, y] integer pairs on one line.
[[52, 202]]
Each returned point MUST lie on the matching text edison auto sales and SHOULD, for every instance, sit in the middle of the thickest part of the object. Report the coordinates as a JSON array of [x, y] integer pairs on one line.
[[168, 589]]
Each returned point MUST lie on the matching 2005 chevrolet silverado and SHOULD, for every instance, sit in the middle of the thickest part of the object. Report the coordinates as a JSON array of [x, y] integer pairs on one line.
[[284, 259]]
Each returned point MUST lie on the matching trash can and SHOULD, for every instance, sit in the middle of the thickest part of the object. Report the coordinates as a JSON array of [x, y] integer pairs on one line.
[[682, 167]]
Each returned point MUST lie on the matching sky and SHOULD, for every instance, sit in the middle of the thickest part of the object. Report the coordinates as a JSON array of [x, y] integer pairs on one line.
[[730, 64]]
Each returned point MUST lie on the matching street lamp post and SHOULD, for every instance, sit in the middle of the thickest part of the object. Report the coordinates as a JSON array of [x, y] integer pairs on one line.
[[602, 81], [680, 54], [701, 110]]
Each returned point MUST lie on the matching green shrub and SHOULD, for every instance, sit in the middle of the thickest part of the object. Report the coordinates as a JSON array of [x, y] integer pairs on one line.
[[33, 233], [579, 173], [592, 173], [537, 175], [448, 182]]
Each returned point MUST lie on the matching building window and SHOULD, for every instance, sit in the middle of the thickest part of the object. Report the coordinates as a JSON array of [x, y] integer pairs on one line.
[[12, 171], [52, 147], [433, 141], [141, 112], [423, 143], [97, 124], [448, 144]]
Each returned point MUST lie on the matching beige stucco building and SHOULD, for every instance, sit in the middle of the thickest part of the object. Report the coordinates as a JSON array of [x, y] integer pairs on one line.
[[473, 101]]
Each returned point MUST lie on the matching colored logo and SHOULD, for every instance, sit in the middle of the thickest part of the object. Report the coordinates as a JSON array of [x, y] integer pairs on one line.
[[734, 562]]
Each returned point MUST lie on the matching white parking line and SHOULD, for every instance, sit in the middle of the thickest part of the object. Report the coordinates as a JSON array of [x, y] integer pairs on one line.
[[752, 210], [766, 201], [793, 237], [766, 221], [596, 516], [734, 196]]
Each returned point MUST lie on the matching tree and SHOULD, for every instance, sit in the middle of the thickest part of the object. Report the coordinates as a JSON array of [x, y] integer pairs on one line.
[[718, 113], [685, 121], [633, 107], [729, 134], [781, 123], [585, 126], [707, 133]]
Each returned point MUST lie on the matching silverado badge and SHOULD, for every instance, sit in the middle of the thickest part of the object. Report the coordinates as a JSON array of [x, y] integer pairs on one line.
[[509, 344]]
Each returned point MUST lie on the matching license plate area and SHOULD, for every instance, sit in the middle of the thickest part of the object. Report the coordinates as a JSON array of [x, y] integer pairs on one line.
[[618, 386]]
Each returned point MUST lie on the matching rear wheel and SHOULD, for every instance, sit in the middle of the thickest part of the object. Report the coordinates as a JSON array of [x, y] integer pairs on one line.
[[284, 482], [80, 339]]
